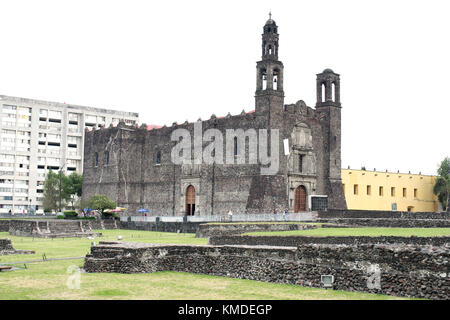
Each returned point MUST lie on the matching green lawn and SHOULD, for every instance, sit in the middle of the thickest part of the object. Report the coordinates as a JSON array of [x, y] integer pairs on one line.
[[371, 232], [47, 280]]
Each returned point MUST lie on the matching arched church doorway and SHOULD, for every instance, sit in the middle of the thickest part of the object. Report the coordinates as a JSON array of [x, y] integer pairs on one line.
[[190, 200], [300, 199]]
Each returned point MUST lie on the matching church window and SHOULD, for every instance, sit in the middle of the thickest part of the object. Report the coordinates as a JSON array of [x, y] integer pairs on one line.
[[300, 163], [380, 191], [107, 157], [96, 159], [369, 190], [158, 157], [355, 189], [236, 151]]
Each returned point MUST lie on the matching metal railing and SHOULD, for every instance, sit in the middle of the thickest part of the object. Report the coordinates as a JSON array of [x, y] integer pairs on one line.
[[261, 217]]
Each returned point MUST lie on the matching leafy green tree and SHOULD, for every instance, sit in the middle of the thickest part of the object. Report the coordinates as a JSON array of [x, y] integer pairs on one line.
[[72, 187], [51, 191], [101, 202], [442, 186]]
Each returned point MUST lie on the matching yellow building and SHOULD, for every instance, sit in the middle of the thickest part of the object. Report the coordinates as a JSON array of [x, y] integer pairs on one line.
[[374, 190]]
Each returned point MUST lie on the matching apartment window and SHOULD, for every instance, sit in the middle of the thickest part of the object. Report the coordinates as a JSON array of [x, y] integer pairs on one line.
[[380, 191], [415, 193], [355, 189], [392, 191], [9, 107], [369, 190], [404, 192]]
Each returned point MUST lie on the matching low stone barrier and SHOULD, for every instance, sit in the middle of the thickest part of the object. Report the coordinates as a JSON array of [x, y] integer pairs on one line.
[[4, 225], [335, 213], [293, 241], [388, 223], [408, 270], [183, 227], [50, 228], [7, 248], [211, 229]]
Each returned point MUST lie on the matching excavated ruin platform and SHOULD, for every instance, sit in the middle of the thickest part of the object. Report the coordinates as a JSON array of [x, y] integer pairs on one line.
[[7, 248], [51, 228]]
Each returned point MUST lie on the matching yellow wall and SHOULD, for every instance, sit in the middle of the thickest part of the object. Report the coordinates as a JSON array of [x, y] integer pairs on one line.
[[425, 201]]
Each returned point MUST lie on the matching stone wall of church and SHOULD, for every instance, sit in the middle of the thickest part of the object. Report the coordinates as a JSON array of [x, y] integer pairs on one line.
[[134, 179]]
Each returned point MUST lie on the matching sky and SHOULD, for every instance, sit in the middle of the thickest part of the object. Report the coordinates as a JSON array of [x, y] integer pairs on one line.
[[173, 61]]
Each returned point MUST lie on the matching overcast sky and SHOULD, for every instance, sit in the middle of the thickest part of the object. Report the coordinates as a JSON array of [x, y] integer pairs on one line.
[[183, 60]]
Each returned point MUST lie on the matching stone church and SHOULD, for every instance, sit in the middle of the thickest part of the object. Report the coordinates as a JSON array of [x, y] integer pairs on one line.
[[134, 165]]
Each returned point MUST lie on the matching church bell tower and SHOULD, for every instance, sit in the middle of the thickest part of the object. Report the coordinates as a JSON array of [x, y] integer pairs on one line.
[[269, 95]]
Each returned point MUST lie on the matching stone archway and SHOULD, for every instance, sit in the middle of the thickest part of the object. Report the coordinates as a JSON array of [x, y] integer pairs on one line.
[[190, 200], [300, 199]]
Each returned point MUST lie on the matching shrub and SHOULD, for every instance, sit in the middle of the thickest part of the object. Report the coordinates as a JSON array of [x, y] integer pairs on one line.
[[60, 217], [70, 214]]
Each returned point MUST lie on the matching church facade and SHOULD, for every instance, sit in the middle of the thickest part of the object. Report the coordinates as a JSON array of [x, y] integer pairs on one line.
[[136, 167]]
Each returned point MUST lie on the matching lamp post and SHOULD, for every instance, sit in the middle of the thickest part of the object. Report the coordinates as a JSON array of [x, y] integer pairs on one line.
[[60, 186]]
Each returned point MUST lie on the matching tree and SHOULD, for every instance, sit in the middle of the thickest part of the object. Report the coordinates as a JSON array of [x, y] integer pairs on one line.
[[72, 187], [51, 191], [442, 186], [101, 202]]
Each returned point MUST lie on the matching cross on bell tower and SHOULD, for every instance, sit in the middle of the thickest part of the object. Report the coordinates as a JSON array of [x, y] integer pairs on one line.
[[269, 94]]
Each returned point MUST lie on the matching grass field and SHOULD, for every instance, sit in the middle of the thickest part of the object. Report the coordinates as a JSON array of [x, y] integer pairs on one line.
[[47, 280], [370, 232]]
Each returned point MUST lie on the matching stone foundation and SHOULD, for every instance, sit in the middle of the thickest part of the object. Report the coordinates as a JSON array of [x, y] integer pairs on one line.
[[335, 213], [408, 270], [7, 248], [387, 222], [294, 241], [209, 230], [51, 228]]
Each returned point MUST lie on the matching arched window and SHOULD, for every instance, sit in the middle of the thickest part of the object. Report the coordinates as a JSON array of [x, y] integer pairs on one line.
[[323, 92], [275, 80], [264, 79], [333, 92], [158, 157], [300, 163], [107, 157], [96, 160]]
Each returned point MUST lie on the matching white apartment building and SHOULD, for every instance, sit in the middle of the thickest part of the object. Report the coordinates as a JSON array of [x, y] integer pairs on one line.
[[36, 136]]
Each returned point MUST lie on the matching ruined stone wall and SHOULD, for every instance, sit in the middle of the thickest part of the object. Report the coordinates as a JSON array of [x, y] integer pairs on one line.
[[414, 271], [7, 248], [177, 227], [4, 225], [334, 213], [5, 244], [209, 230], [389, 223], [50, 228], [293, 241]]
